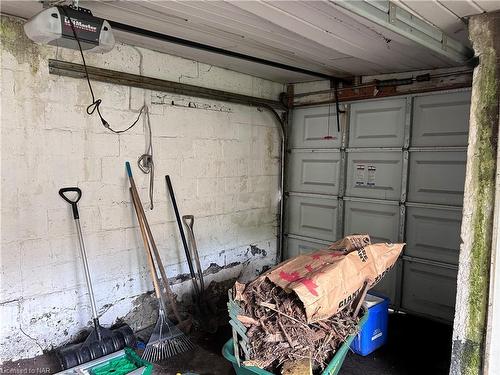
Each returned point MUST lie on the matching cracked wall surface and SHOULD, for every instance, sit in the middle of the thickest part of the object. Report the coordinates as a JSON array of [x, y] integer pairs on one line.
[[223, 160]]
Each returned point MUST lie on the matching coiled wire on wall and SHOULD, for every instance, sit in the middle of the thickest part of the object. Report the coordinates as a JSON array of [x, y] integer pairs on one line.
[[145, 161]]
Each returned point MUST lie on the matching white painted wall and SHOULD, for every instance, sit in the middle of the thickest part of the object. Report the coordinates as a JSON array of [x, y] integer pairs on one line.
[[223, 160], [312, 86]]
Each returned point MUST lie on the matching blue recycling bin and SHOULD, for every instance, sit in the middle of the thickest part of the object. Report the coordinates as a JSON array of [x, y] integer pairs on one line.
[[374, 332]]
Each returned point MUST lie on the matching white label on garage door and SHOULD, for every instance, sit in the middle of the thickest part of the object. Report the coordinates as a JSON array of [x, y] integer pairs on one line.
[[371, 175], [360, 175]]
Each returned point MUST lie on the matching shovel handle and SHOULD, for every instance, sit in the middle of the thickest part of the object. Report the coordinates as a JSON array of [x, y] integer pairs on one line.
[[188, 221], [129, 170], [183, 236], [73, 203]]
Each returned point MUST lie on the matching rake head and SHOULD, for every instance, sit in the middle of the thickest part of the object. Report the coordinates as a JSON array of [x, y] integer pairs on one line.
[[166, 341]]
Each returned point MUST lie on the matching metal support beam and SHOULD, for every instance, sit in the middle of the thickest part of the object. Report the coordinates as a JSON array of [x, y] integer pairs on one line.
[[393, 17], [70, 69], [438, 81]]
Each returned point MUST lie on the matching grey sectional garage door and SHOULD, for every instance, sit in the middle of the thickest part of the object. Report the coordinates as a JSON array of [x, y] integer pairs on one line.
[[314, 180], [396, 171]]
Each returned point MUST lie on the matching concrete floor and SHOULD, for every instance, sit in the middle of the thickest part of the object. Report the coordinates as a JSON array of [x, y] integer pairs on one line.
[[416, 346], [207, 359]]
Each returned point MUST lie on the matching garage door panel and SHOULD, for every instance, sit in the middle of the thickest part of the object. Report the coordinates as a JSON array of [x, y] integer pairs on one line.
[[441, 120], [298, 246], [374, 174], [377, 123], [437, 177], [314, 172], [388, 285], [315, 127], [313, 216], [433, 234], [421, 278], [381, 221], [391, 156]]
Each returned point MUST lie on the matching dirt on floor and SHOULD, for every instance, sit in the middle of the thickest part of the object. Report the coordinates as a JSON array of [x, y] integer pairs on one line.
[[206, 359], [415, 346]]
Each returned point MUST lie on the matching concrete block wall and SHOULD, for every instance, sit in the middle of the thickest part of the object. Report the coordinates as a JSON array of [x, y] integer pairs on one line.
[[223, 160]]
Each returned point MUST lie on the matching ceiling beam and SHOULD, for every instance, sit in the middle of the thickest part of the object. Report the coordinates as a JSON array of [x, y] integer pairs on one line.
[[393, 17], [392, 85]]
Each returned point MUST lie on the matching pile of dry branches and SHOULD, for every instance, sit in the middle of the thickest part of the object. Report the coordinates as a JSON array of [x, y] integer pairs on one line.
[[278, 330]]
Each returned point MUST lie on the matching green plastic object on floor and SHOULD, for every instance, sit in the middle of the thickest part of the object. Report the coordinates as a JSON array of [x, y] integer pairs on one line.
[[333, 367], [123, 365]]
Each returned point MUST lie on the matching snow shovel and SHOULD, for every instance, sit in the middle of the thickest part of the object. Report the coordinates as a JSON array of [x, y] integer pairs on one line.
[[101, 341]]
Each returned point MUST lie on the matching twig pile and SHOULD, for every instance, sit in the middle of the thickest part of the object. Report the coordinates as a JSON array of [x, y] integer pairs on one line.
[[278, 330]]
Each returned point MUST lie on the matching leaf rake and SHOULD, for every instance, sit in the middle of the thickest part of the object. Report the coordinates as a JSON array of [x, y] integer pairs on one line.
[[167, 339]]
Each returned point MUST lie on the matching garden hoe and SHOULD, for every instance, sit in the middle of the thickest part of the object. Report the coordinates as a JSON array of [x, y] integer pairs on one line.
[[101, 341]]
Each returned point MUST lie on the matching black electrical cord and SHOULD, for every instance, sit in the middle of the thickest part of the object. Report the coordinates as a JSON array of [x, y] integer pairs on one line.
[[95, 106], [145, 162], [337, 106]]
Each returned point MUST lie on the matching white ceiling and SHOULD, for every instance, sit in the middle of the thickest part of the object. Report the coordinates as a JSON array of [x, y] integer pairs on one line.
[[449, 15], [315, 35]]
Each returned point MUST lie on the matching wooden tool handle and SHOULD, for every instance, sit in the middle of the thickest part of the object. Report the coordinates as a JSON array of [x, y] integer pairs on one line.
[[154, 252], [144, 235]]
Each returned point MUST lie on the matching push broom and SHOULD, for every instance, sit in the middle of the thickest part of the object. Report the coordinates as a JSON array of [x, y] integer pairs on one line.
[[167, 339], [101, 341]]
